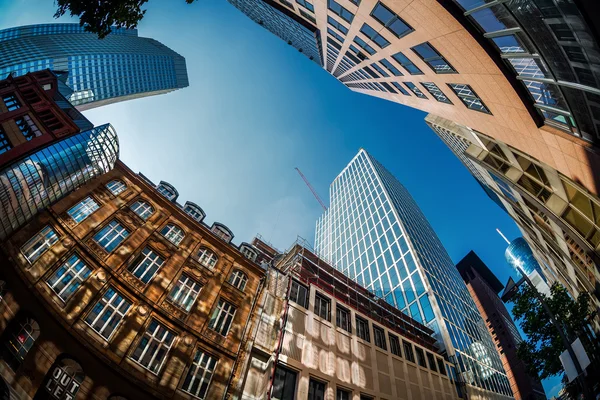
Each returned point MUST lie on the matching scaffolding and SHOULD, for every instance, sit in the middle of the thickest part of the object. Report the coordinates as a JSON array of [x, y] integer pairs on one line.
[[301, 262]]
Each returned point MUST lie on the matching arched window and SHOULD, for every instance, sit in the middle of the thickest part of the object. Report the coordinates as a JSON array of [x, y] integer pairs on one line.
[[142, 209], [18, 338], [62, 381], [167, 190], [116, 186], [194, 211], [207, 257], [173, 234], [248, 251], [238, 279], [222, 231]]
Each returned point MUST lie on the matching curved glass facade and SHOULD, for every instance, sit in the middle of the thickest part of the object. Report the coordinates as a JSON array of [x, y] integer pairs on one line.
[[552, 52], [119, 67], [33, 183], [518, 253], [375, 233]]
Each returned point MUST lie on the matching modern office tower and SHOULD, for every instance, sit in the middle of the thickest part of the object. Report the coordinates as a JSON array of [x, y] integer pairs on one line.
[[117, 291], [120, 67], [375, 233], [559, 218], [484, 288], [525, 72], [518, 253], [320, 335]]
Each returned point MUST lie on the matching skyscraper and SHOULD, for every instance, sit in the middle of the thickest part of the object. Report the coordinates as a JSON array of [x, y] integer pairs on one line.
[[518, 251], [484, 288], [120, 67], [375, 233]]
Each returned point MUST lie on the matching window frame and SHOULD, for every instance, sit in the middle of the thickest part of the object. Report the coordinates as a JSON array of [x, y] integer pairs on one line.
[[339, 320], [78, 216], [304, 305], [185, 289], [196, 366], [333, 6], [172, 238], [221, 320], [27, 127], [207, 257], [44, 240], [431, 88], [115, 310], [438, 57], [320, 301], [77, 277], [379, 337], [14, 101], [147, 260], [142, 209], [465, 98], [168, 337], [407, 63], [374, 36], [409, 353], [238, 279], [394, 18], [107, 229], [395, 346], [118, 187], [362, 328], [5, 143], [416, 91]]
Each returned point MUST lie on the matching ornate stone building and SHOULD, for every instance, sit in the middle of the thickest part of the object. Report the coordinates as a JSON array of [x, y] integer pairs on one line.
[[116, 291]]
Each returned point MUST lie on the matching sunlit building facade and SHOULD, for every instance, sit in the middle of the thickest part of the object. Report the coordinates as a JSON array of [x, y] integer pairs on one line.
[[556, 215], [120, 67], [116, 291], [321, 336], [375, 233]]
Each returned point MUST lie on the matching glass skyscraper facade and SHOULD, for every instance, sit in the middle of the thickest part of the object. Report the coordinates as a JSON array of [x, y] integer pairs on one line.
[[35, 182], [375, 233], [518, 253], [285, 24], [120, 67]]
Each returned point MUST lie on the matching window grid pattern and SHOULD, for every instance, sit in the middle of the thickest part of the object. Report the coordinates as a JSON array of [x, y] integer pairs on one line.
[[396, 25], [468, 96], [68, 277], [146, 265], [198, 378], [27, 127], [322, 306], [116, 187], [142, 209], [299, 294], [152, 349], [375, 233], [83, 209], [111, 236], [173, 234], [407, 64], [222, 317], [11, 102], [207, 258], [4, 143], [108, 313], [436, 92], [37, 245], [415, 90], [374, 36], [238, 279], [185, 292], [362, 329], [340, 11], [433, 58]]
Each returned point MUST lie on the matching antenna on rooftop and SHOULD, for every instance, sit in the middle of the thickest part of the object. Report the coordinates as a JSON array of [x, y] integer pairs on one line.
[[503, 237], [312, 189]]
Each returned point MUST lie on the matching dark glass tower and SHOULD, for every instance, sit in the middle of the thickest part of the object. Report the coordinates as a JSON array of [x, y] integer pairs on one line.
[[120, 67], [375, 233], [518, 253]]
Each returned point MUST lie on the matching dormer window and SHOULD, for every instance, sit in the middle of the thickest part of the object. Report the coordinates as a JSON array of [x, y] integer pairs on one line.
[[222, 231], [194, 211], [167, 190], [249, 252]]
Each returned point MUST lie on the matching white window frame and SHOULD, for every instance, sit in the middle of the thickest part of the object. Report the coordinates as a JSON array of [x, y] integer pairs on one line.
[[147, 259], [166, 192], [185, 289], [207, 258], [113, 226], [115, 310], [203, 366], [173, 234], [142, 209], [193, 212], [164, 340], [116, 187], [69, 269], [222, 317], [80, 211], [39, 244], [238, 279]]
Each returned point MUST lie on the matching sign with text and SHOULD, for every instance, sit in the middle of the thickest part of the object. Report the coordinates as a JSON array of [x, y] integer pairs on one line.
[[61, 385]]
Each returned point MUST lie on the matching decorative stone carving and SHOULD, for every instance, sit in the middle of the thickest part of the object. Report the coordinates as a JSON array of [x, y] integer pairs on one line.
[[188, 340], [101, 276], [67, 241], [142, 310]]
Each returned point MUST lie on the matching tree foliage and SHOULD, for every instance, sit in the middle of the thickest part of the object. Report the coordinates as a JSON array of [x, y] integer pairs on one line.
[[543, 346], [100, 16]]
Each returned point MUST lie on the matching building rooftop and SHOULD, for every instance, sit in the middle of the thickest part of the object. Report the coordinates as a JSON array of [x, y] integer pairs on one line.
[[472, 261]]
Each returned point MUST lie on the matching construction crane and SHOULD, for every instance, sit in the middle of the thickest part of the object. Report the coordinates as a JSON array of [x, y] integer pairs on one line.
[[312, 189]]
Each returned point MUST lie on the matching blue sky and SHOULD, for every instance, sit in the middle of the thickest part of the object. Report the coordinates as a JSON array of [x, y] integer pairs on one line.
[[255, 109]]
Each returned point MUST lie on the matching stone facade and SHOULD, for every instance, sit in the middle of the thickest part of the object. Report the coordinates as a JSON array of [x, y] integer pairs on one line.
[[157, 348]]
